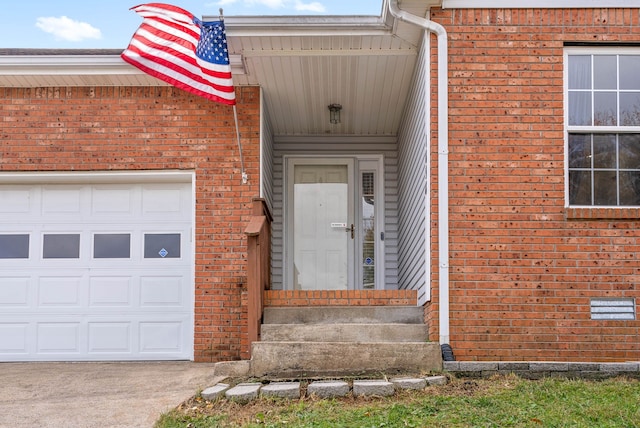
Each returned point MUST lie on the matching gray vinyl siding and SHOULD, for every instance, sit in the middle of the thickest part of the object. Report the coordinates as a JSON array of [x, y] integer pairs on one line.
[[266, 154], [412, 185], [388, 150]]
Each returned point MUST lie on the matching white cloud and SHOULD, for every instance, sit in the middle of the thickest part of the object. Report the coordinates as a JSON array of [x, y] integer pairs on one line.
[[310, 7], [64, 28]]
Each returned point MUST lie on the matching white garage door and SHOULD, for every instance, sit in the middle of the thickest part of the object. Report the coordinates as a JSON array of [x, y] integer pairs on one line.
[[96, 272]]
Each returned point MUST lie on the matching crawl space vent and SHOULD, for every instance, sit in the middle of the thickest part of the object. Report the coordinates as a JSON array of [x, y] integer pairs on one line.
[[613, 309]]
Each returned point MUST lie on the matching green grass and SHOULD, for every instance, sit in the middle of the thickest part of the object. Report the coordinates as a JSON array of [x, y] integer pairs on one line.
[[497, 402]]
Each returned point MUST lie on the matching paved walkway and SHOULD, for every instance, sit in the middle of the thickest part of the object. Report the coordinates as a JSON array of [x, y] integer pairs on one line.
[[87, 395]]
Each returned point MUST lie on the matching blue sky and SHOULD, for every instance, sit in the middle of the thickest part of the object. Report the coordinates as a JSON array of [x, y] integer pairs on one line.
[[110, 24]]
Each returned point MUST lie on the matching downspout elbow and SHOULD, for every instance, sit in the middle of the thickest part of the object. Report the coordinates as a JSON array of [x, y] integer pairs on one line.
[[427, 24]]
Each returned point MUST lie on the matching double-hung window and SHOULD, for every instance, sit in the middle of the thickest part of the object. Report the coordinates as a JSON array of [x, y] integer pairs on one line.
[[602, 117]]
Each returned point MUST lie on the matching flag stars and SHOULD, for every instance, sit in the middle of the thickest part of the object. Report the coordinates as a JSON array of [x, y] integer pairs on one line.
[[212, 45]]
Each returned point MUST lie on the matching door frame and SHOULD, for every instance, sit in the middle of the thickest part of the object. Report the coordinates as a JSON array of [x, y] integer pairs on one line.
[[369, 160]]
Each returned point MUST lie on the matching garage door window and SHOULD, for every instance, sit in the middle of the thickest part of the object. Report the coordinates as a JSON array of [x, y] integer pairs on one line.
[[161, 245], [112, 246], [61, 246], [14, 246]]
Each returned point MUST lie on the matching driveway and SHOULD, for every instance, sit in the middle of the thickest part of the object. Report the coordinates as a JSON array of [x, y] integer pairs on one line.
[[86, 395]]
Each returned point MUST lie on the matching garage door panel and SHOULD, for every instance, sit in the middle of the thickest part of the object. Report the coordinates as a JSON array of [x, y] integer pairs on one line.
[[80, 303], [61, 200], [59, 291], [152, 336], [161, 337], [14, 338], [164, 291], [58, 338], [16, 199], [113, 200], [110, 337], [14, 291], [106, 291], [162, 199]]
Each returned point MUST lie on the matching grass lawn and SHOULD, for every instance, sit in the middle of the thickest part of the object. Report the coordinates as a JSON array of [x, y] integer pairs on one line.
[[497, 402]]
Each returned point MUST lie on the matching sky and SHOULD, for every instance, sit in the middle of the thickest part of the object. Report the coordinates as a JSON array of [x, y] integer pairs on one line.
[[99, 24]]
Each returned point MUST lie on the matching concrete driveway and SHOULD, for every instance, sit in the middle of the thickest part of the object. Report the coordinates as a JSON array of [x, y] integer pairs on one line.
[[84, 395]]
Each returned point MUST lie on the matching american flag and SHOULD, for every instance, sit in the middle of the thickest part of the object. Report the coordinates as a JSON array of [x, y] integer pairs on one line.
[[178, 48]]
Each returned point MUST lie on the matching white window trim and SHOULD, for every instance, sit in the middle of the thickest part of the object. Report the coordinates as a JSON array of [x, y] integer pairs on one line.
[[589, 50]]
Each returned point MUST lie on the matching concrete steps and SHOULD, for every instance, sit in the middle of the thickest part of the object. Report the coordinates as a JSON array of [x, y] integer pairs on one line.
[[303, 342], [278, 360], [344, 314], [360, 332]]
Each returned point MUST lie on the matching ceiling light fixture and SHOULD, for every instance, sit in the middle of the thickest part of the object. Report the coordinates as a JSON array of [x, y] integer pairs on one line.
[[334, 113]]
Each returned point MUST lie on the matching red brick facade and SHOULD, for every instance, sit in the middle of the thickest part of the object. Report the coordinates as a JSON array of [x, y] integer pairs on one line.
[[523, 267], [131, 129]]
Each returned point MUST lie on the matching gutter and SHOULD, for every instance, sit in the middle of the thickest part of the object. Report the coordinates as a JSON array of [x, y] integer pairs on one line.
[[304, 26], [443, 160]]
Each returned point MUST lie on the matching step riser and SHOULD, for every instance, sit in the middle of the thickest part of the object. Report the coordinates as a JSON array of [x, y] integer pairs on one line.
[[350, 314], [345, 332], [308, 359]]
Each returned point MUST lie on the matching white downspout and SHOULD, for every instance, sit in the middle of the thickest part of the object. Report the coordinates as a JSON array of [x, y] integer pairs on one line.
[[443, 159]]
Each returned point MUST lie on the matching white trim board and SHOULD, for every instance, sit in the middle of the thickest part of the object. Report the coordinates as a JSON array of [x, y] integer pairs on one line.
[[69, 177], [538, 4]]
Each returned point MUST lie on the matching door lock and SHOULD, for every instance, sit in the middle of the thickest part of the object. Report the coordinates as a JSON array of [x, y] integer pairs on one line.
[[351, 229]]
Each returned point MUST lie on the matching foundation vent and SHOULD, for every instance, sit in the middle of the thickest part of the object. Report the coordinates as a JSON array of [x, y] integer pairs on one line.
[[613, 309]]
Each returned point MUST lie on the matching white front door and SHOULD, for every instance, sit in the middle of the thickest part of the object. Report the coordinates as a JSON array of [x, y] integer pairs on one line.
[[333, 231]]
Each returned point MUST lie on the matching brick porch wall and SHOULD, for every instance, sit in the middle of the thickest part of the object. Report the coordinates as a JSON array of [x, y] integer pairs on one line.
[[134, 129], [523, 268], [340, 298]]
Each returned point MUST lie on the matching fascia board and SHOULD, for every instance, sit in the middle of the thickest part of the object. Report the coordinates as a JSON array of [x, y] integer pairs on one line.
[[34, 65]]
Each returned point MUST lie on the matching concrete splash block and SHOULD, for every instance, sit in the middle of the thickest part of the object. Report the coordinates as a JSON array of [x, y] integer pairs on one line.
[[436, 380], [244, 392], [368, 388], [409, 383], [214, 392], [281, 390], [305, 359], [328, 388]]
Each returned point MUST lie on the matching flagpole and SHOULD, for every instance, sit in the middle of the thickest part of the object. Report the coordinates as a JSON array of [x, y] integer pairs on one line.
[[244, 173], [245, 177]]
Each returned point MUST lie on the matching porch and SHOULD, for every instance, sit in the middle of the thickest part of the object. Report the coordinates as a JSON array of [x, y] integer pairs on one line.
[[293, 333]]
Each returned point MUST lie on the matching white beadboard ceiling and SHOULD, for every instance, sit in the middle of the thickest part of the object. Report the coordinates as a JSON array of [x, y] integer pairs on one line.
[[303, 64]]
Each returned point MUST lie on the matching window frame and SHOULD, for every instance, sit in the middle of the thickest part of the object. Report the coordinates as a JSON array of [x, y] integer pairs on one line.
[[592, 129]]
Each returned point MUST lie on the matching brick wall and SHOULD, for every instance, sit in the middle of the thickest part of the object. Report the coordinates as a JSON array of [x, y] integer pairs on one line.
[[523, 267], [340, 298], [128, 129]]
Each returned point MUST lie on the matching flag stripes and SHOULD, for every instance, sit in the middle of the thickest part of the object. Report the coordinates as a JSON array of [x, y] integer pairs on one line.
[[164, 46]]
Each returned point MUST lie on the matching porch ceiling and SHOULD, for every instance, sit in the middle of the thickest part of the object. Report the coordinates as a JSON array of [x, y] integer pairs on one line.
[[303, 64]]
